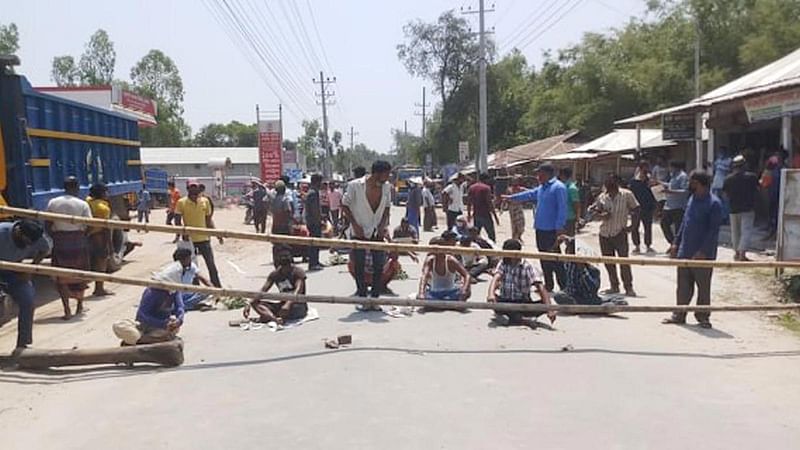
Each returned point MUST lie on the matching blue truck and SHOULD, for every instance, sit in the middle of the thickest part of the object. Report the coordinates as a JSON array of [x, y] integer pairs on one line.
[[44, 139]]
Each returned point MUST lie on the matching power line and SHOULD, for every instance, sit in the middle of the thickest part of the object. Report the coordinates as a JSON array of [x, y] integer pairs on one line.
[[319, 38], [505, 12], [312, 63], [529, 22], [241, 45], [546, 29], [284, 50], [304, 32]]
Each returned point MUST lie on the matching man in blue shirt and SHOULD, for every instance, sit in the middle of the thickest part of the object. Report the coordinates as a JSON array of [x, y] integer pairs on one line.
[[676, 191], [21, 240], [697, 239], [549, 219]]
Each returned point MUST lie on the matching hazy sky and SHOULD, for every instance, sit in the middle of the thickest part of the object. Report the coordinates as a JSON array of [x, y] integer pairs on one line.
[[373, 90]]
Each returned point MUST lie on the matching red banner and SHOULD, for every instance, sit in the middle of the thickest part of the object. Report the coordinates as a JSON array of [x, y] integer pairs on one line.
[[269, 150], [137, 103]]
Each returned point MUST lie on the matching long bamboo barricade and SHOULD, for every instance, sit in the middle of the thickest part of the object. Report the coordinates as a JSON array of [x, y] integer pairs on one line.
[[502, 307], [395, 247]]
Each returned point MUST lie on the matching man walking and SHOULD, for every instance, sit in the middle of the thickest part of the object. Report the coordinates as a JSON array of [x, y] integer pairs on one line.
[[677, 194], [70, 246], [741, 190], [453, 200], [550, 217], [614, 206], [366, 206], [481, 201], [21, 240], [259, 195], [143, 207], [173, 218], [640, 186], [573, 206], [429, 205], [414, 202], [313, 213], [697, 239], [196, 212]]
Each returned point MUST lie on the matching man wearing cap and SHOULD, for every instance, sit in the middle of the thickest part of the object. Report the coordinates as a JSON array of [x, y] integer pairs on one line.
[[453, 200], [741, 190], [70, 245], [196, 212], [22, 240], [550, 217]]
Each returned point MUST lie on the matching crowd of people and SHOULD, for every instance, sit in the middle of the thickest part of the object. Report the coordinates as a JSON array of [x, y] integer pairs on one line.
[[691, 207]]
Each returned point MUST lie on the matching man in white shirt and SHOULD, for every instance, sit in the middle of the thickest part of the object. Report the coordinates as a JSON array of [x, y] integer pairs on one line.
[[366, 206], [453, 200], [429, 208], [70, 247]]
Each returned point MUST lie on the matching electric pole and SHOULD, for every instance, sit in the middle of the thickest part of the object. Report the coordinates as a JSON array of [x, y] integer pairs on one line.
[[482, 162], [423, 105], [353, 134], [324, 95], [698, 122]]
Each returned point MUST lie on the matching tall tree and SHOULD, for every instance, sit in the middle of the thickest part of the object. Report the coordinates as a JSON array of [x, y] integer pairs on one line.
[[444, 52], [233, 134], [64, 71], [96, 66], [9, 39], [156, 76]]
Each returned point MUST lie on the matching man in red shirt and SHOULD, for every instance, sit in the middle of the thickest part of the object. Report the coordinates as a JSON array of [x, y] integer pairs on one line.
[[480, 201]]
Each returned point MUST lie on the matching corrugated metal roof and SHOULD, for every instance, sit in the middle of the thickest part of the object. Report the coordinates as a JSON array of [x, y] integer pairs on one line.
[[571, 156], [624, 140], [535, 150], [197, 155], [781, 74]]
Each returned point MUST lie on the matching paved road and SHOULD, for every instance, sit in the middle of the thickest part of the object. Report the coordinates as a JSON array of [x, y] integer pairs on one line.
[[439, 380]]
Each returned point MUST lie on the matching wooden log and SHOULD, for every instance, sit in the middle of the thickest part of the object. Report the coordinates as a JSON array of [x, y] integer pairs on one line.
[[504, 307], [168, 354], [396, 247]]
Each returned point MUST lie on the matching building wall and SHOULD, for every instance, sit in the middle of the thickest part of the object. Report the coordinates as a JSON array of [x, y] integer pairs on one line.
[[202, 170]]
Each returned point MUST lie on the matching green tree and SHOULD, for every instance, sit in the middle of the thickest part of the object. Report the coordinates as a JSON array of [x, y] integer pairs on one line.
[[156, 76], [309, 143], [9, 39], [444, 52], [64, 71], [233, 134], [96, 66]]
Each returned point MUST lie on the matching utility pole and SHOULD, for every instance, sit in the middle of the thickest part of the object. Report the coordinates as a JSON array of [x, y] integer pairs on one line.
[[482, 162], [698, 122], [423, 105], [324, 95], [353, 134]]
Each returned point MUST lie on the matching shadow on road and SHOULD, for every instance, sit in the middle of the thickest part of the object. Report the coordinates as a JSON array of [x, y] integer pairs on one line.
[[74, 375]]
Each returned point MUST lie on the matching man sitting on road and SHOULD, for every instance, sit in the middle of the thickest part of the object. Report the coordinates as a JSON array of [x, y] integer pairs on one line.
[[461, 227], [514, 278], [289, 279], [160, 314], [21, 240], [487, 244], [438, 279], [475, 264], [190, 274], [583, 281]]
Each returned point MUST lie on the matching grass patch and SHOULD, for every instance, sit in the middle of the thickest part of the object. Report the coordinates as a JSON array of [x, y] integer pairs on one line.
[[790, 321]]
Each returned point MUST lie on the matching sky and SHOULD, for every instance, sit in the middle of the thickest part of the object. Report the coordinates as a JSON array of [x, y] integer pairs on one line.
[[224, 79]]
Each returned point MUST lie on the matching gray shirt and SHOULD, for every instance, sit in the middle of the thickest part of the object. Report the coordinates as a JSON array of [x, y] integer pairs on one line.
[[9, 250], [678, 182]]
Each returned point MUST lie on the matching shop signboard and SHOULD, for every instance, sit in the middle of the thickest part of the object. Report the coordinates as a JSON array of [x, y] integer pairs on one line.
[[269, 150], [678, 127], [773, 106]]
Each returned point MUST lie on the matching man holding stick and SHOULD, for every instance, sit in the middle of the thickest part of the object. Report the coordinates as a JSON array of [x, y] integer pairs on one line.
[[366, 206]]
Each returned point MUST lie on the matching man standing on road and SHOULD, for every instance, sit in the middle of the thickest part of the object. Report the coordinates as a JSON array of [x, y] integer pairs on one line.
[[259, 195], [640, 186], [143, 207], [429, 205], [550, 218], [335, 201], [573, 206], [414, 202], [453, 200], [366, 206], [197, 212], [282, 210], [741, 189], [614, 206], [70, 246], [676, 191], [21, 240], [481, 201], [173, 218], [313, 213], [697, 239]]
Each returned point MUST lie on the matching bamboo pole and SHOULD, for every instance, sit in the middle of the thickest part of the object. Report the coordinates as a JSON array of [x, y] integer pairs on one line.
[[396, 247], [503, 307], [168, 354]]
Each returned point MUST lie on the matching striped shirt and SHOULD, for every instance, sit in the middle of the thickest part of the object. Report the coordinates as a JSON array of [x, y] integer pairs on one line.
[[618, 209], [516, 280]]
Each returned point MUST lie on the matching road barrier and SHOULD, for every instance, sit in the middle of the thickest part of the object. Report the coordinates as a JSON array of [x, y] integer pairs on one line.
[[394, 247], [443, 304]]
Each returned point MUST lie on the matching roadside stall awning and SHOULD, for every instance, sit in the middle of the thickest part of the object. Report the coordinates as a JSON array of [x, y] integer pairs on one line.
[[624, 140]]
